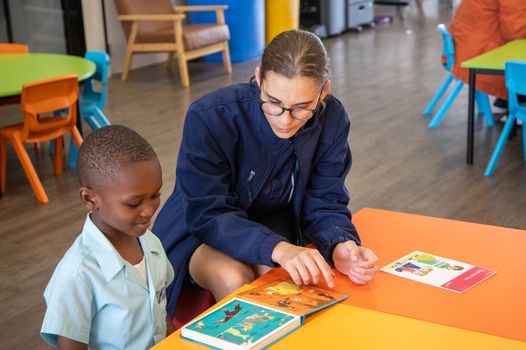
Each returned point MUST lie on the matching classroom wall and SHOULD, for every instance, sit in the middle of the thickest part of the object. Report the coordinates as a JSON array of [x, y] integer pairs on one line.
[[94, 32]]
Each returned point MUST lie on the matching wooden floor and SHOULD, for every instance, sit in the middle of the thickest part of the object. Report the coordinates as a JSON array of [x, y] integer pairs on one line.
[[384, 76]]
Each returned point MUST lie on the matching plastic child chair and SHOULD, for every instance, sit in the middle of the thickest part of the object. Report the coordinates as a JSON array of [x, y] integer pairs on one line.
[[39, 100], [92, 100], [13, 48], [448, 59], [516, 83], [193, 300]]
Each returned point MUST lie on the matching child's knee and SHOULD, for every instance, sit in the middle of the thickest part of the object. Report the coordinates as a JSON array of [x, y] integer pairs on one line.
[[232, 279]]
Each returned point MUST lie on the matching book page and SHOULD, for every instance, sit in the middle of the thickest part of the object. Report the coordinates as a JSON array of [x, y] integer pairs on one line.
[[239, 323], [438, 271], [289, 297]]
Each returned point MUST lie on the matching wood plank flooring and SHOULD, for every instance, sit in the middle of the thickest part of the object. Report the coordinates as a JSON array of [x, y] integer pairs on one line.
[[385, 76]]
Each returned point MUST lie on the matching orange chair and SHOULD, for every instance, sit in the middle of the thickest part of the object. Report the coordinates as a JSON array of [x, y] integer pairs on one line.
[[13, 48], [39, 100]]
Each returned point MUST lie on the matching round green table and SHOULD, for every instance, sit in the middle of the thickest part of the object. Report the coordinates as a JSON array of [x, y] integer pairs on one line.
[[19, 69]]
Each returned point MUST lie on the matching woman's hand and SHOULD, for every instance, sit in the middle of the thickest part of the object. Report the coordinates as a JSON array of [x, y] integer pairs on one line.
[[304, 265], [359, 263]]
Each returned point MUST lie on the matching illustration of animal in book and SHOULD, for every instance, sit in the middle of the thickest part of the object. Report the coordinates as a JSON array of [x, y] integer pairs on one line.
[[259, 317]]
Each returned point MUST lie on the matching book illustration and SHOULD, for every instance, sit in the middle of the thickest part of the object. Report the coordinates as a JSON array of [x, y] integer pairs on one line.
[[289, 297], [259, 317], [240, 323], [438, 271]]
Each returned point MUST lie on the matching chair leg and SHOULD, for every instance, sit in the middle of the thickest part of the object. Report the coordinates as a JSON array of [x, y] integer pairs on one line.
[[3, 157], [73, 152], [100, 117], [447, 104], [75, 134], [31, 174], [183, 71], [484, 107], [500, 145], [524, 141], [127, 63], [438, 95], [226, 58], [170, 60], [57, 159], [88, 115]]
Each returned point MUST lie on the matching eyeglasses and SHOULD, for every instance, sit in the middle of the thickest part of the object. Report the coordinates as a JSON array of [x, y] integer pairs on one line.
[[298, 113]]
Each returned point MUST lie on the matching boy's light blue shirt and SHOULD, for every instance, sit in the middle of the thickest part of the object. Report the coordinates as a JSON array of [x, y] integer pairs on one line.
[[98, 298]]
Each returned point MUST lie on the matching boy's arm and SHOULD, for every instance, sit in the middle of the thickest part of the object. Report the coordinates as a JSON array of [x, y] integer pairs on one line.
[[64, 343]]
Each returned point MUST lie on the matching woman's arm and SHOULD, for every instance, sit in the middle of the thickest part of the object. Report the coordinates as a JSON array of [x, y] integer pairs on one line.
[[205, 176], [326, 219]]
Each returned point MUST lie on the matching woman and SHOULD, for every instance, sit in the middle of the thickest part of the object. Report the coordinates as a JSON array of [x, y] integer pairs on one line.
[[261, 173]]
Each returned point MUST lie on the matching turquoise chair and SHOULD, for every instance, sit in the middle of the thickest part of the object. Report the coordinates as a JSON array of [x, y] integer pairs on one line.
[[481, 99], [516, 84], [92, 101]]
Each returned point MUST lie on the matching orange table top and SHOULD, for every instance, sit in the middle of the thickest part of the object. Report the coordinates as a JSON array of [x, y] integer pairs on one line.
[[344, 326], [497, 306]]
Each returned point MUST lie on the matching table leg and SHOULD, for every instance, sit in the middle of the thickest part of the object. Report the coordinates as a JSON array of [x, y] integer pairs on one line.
[[471, 115], [79, 119]]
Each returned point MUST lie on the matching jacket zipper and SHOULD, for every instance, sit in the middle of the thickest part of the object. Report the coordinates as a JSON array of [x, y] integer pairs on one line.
[[299, 185], [249, 181]]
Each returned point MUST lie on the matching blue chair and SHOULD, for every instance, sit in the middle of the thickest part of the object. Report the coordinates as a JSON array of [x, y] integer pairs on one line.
[[92, 101], [516, 84], [481, 99]]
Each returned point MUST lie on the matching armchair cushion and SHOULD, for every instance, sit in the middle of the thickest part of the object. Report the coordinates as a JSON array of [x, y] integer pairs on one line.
[[195, 36]]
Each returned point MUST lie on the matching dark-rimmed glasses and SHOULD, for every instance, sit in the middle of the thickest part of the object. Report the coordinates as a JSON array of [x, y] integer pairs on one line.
[[298, 113]]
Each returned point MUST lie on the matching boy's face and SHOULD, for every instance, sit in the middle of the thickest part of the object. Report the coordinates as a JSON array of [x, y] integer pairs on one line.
[[126, 206]]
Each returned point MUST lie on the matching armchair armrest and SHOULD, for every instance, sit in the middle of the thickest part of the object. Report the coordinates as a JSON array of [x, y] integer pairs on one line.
[[219, 10], [161, 17], [200, 8]]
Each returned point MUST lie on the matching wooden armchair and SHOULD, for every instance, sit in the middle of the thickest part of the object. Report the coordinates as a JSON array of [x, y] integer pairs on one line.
[[157, 26]]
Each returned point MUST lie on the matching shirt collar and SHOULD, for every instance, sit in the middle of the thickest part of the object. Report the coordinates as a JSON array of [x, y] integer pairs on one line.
[[108, 258]]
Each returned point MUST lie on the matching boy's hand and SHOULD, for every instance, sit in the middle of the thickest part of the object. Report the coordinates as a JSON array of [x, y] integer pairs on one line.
[[304, 265], [359, 263]]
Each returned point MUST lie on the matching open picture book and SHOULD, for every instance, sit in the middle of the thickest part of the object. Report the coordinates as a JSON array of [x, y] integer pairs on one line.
[[257, 318], [437, 271]]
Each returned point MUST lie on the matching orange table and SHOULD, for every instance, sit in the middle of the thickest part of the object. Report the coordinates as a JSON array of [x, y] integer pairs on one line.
[[350, 327], [497, 306], [393, 312]]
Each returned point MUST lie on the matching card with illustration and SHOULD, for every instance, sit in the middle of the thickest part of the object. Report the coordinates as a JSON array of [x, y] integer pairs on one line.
[[438, 271]]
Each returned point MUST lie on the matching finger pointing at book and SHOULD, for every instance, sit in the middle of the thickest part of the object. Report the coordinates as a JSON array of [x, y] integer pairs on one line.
[[304, 265]]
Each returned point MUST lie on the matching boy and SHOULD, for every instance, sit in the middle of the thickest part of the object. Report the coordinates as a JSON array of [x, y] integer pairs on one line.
[[109, 290]]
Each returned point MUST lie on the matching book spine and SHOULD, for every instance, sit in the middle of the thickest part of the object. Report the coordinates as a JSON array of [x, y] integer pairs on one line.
[[283, 335], [325, 306]]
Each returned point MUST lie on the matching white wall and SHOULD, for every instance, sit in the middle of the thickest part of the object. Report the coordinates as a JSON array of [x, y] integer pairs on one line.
[[94, 32]]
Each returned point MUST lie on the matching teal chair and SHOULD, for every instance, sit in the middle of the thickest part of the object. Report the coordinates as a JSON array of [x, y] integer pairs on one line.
[[93, 100], [481, 99], [516, 84]]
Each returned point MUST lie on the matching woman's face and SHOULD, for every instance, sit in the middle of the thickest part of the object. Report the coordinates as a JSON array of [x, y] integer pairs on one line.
[[298, 92]]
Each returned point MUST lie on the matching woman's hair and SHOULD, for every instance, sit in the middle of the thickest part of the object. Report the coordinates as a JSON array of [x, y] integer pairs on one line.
[[296, 53]]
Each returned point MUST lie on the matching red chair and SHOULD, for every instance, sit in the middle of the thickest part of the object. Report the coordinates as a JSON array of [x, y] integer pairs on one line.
[[193, 301], [39, 100]]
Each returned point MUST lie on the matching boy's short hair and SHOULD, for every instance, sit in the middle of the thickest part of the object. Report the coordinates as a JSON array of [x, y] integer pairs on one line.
[[108, 150]]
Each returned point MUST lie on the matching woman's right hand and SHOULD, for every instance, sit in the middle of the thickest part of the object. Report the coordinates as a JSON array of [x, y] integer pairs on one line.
[[304, 265]]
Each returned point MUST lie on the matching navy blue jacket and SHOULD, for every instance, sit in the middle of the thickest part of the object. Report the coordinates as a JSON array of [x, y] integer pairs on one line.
[[228, 152]]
